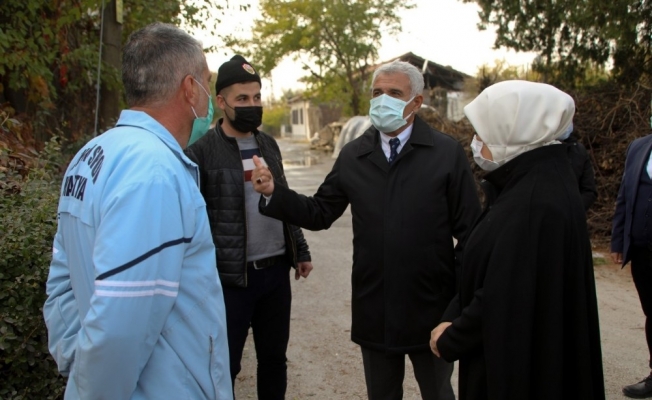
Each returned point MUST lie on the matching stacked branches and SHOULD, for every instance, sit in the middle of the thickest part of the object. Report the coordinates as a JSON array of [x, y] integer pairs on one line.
[[608, 119]]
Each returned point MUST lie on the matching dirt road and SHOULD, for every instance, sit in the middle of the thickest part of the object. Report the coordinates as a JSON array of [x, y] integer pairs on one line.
[[323, 363]]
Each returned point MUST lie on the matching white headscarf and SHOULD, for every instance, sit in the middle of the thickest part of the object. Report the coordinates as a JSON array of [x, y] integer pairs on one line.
[[512, 117]]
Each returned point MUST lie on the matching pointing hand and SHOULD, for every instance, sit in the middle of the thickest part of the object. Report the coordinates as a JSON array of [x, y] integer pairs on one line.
[[262, 178]]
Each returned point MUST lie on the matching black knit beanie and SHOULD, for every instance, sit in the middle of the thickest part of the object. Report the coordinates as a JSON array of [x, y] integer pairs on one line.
[[236, 70]]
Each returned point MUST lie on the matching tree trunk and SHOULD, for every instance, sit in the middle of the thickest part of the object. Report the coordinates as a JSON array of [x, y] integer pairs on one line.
[[355, 102], [111, 56]]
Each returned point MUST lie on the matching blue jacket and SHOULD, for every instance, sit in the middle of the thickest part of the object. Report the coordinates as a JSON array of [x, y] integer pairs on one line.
[[135, 308], [638, 154]]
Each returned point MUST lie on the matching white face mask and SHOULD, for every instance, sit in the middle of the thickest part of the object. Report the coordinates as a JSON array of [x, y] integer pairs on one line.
[[476, 148], [386, 113], [566, 133]]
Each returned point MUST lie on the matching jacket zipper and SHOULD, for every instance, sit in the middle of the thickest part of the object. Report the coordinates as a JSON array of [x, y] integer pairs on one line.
[[246, 224]]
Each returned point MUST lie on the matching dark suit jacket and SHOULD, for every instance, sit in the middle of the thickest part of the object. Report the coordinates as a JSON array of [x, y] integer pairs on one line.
[[638, 154]]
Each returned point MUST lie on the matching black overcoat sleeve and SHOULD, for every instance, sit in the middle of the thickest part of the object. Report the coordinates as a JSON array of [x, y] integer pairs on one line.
[[314, 213]]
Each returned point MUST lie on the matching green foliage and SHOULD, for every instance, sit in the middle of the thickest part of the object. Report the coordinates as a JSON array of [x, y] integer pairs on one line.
[[330, 88], [487, 75], [575, 36], [274, 116], [335, 40], [28, 211]]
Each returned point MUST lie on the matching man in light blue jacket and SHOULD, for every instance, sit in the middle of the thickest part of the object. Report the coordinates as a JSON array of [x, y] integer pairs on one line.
[[135, 308]]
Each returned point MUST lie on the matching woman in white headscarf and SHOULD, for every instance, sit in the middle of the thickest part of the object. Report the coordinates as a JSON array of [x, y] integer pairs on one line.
[[525, 322]]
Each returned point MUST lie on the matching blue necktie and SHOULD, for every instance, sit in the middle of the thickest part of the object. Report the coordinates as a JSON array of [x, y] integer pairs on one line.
[[393, 149]]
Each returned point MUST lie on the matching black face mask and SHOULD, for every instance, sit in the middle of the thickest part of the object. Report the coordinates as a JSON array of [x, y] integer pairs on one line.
[[247, 119]]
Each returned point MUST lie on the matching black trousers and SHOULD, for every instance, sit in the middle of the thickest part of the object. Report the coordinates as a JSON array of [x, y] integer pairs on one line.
[[384, 375], [642, 275], [264, 305]]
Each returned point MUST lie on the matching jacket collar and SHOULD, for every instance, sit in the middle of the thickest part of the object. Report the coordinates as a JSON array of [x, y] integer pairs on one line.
[[142, 120], [517, 168], [370, 145], [224, 136]]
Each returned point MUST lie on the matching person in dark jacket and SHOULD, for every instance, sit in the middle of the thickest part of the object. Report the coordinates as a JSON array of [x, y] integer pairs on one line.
[[254, 252], [631, 240], [581, 166], [411, 191], [525, 322]]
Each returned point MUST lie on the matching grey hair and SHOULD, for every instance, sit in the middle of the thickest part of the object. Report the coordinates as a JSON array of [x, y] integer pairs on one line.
[[402, 67], [155, 60]]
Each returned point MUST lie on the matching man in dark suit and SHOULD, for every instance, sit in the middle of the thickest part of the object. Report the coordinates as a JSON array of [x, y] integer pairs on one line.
[[631, 238], [411, 190]]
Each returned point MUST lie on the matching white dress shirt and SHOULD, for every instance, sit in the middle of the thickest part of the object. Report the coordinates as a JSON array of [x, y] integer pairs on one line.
[[403, 137]]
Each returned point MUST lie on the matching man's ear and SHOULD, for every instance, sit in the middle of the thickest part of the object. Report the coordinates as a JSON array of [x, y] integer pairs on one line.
[[418, 101], [219, 100], [188, 88]]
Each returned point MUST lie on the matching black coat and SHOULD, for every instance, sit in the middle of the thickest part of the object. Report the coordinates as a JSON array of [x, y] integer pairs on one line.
[[222, 185], [583, 170], [525, 322], [404, 218]]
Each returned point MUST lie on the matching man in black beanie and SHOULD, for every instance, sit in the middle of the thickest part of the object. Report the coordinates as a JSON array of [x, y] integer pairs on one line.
[[254, 252]]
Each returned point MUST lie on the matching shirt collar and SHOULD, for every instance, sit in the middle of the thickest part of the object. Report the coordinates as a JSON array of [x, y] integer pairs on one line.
[[403, 136]]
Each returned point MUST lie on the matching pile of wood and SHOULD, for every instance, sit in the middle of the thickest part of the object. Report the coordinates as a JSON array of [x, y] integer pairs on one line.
[[607, 119]]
